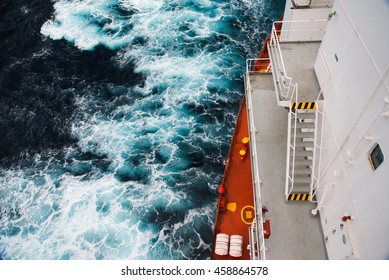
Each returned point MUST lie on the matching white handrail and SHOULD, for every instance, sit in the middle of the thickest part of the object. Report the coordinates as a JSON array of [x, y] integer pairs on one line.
[[288, 158], [290, 146], [274, 38], [317, 151], [283, 78], [251, 63], [256, 227], [283, 83]]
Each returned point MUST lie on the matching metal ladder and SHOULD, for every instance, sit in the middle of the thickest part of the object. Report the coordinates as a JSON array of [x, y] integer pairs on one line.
[[300, 151]]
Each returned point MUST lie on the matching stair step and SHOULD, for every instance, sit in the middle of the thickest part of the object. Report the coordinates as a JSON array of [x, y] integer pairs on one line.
[[304, 153], [298, 170], [301, 187], [304, 162], [301, 179], [303, 134], [304, 124], [303, 144], [299, 197], [303, 105], [306, 116]]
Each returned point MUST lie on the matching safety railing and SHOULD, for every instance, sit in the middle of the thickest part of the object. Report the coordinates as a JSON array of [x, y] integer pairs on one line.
[[256, 247], [258, 65], [317, 150], [290, 31], [291, 150], [257, 240], [283, 83]]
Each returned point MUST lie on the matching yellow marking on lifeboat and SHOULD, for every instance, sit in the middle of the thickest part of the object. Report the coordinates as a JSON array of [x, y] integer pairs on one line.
[[299, 197], [231, 206], [303, 105], [246, 214]]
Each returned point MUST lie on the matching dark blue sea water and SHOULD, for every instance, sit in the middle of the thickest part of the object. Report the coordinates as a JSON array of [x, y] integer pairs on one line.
[[115, 122]]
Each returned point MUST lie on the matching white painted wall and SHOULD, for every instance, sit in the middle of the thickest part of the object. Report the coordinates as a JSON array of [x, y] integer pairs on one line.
[[295, 27], [355, 92]]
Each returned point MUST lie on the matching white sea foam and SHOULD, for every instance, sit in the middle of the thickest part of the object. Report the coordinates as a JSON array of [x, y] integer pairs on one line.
[[190, 57], [78, 22]]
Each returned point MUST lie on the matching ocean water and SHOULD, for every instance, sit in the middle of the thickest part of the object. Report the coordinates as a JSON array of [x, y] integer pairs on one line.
[[115, 122]]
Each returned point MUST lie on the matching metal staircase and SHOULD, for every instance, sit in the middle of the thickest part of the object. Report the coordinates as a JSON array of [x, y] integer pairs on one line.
[[305, 119], [300, 150]]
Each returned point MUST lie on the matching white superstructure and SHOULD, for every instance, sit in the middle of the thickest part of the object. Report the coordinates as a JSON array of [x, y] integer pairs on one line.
[[331, 58], [354, 78]]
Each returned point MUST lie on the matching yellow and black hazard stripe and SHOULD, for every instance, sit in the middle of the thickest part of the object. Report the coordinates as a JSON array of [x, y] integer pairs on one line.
[[299, 196], [303, 105]]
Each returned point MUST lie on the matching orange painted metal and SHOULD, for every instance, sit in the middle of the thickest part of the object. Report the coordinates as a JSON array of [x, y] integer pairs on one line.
[[262, 65], [236, 190], [235, 204]]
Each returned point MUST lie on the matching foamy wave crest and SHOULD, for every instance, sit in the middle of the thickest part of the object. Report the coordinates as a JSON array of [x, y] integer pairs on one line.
[[88, 23], [141, 181]]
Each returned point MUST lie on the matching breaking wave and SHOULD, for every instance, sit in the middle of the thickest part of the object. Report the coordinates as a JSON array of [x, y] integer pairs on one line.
[[116, 120]]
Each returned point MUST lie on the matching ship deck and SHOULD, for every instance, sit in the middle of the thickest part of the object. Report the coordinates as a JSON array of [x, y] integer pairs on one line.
[[294, 233], [299, 59]]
